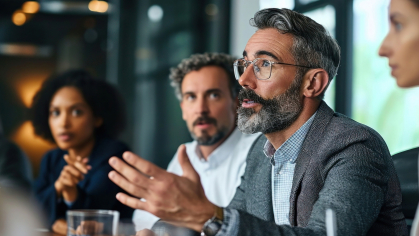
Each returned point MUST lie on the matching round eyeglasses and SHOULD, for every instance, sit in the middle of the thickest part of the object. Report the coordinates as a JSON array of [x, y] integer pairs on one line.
[[261, 67]]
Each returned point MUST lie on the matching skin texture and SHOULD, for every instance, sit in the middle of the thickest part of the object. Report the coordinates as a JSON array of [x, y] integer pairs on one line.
[[401, 45], [205, 93], [181, 200], [72, 125], [274, 46]]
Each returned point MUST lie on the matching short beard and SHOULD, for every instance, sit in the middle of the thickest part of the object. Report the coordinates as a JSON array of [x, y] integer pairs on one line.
[[205, 139], [275, 115]]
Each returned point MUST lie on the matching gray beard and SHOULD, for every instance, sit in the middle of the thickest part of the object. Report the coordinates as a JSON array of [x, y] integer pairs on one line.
[[206, 140], [276, 114]]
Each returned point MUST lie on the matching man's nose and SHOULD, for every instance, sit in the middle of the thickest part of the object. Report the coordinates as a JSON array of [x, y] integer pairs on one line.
[[202, 106], [248, 78]]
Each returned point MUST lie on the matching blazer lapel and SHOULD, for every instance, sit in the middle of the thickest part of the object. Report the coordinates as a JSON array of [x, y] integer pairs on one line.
[[323, 116], [260, 195], [263, 203]]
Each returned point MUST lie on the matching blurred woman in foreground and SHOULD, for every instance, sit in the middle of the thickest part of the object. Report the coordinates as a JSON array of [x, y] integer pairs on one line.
[[82, 116], [401, 47]]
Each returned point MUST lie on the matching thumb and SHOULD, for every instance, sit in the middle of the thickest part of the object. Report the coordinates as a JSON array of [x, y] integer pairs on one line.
[[187, 168]]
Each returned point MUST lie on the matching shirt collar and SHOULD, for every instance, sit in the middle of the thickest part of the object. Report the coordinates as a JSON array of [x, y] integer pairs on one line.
[[221, 152], [291, 147]]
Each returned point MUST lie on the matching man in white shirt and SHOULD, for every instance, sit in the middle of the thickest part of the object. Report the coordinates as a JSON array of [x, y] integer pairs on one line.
[[207, 90]]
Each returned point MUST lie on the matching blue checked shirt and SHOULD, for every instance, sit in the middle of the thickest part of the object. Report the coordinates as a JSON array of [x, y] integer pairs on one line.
[[283, 165]]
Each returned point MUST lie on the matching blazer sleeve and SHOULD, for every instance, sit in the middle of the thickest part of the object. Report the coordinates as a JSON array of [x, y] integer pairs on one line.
[[45, 193], [355, 183]]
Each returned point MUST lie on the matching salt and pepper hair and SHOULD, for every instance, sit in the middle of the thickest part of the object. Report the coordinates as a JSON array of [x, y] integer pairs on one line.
[[312, 44], [196, 62]]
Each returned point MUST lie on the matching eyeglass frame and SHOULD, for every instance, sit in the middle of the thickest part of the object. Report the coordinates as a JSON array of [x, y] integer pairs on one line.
[[270, 64]]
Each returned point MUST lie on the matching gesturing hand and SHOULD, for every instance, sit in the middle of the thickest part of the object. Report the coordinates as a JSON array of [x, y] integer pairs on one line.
[[179, 200], [70, 176]]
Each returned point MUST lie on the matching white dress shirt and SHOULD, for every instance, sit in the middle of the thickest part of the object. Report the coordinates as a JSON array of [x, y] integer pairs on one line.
[[220, 174]]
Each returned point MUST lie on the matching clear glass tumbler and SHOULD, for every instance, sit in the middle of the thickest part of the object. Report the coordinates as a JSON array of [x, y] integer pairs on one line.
[[92, 222]]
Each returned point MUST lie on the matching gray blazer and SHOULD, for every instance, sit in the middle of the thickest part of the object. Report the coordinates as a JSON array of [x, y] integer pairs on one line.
[[342, 165]]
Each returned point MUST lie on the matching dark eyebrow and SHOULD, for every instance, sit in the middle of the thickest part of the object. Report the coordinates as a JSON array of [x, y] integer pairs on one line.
[[213, 90], [263, 52], [79, 104], [394, 16], [188, 93]]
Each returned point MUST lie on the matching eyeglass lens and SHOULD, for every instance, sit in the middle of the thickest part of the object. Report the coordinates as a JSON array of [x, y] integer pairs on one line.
[[261, 68]]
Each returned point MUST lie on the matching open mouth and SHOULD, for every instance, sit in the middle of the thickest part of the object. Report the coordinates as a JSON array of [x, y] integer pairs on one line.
[[248, 101]]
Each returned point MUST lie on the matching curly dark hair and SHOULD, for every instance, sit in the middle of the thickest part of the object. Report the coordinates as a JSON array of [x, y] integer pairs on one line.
[[102, 98], [196, 62]]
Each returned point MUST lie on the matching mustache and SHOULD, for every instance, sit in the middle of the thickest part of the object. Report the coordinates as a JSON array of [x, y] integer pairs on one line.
[[251, 95], [205, 119]]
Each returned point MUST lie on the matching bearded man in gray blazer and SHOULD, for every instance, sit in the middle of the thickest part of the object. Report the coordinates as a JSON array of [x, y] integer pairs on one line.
[[309, 159]]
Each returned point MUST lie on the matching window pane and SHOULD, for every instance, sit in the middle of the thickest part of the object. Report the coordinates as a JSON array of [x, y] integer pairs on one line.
[[276, 4], [326, 17], [377, 101], [306, 1]]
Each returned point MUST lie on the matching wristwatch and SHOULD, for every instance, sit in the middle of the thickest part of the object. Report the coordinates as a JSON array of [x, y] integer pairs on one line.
[[213, 225]]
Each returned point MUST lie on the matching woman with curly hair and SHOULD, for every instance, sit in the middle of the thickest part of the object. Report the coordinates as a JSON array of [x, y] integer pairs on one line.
[[82, 115]]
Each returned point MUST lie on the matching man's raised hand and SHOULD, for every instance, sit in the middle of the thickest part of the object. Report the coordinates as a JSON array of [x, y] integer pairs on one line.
[[179, 200]]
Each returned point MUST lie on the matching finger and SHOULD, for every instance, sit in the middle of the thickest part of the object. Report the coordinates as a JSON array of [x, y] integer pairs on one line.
[[129, 172], [68, 159], [69, 180], [142, 165], [132, 202], [82, 167], [187, 168], [85, 160], [131, 188], [74, 172]]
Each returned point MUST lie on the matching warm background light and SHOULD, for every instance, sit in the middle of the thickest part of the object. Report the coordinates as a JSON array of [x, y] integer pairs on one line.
[[32, 145], [27, 88], [98, 6], [18, 18], [30, 7]]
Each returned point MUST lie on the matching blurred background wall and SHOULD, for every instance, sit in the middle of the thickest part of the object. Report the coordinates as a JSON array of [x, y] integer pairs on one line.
[[133, 43]]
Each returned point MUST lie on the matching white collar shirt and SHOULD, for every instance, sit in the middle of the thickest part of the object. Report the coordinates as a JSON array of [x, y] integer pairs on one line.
[[220, 174]]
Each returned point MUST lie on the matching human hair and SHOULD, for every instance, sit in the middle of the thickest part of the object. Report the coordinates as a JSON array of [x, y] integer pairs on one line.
[[102, 98], [416, 2], [312, 44], [196, 62]]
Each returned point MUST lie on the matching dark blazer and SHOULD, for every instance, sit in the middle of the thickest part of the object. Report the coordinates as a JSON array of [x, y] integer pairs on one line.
[[95, 191], [342, 165]]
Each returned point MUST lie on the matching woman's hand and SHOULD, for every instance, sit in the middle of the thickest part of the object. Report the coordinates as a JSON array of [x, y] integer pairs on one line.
[[60, 227], [70, 176]]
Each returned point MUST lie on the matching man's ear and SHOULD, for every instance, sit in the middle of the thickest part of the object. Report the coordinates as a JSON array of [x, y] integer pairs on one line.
[[315, 82]]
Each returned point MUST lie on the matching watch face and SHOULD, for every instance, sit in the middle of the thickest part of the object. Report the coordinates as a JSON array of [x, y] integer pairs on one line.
[[212, 228]]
